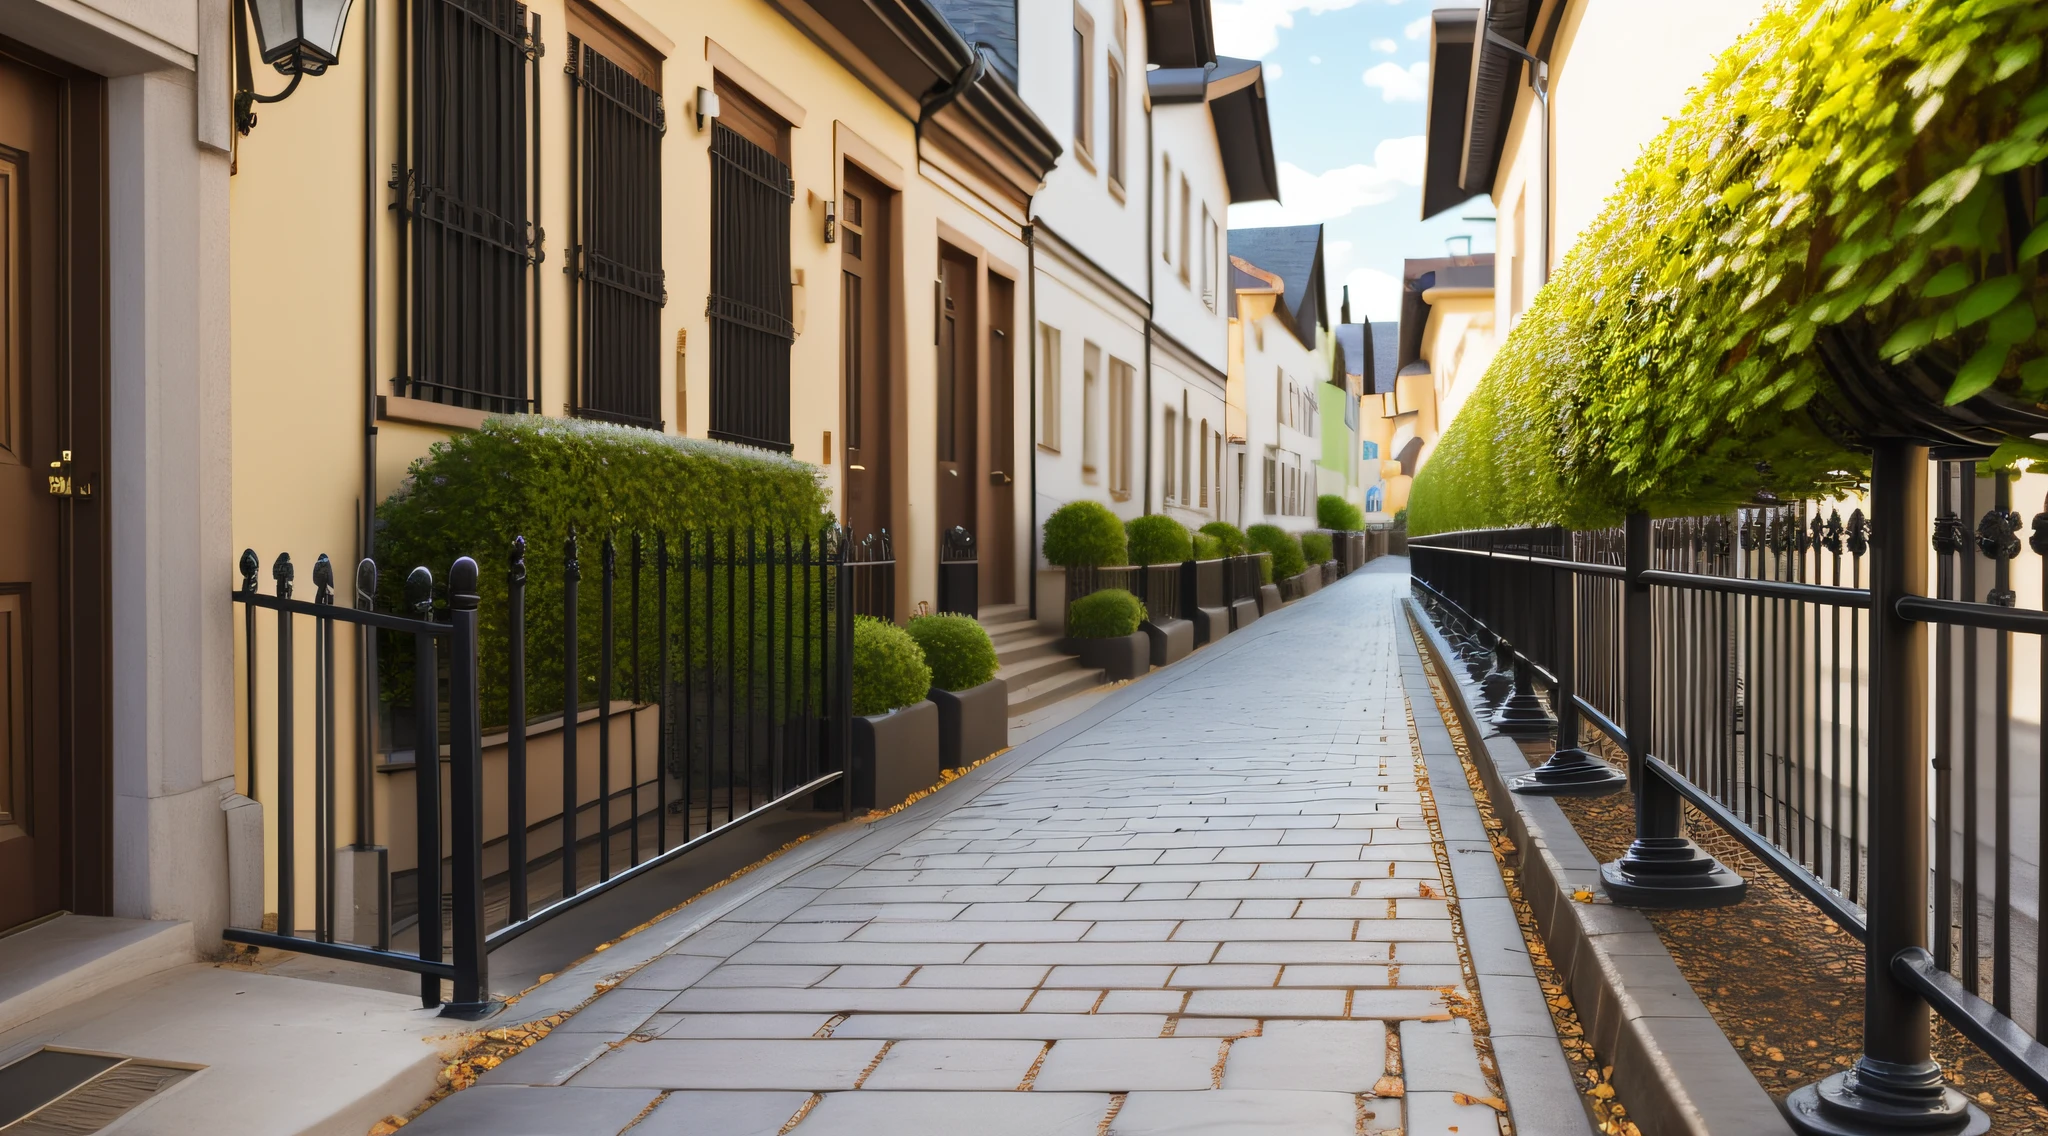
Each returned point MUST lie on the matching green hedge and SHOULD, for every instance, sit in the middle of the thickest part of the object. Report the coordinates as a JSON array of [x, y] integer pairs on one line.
[[1157, 539], [1228, 536], [1202, 546], [1106, 614], [1284, 546], [1315, 547], [889, 671], [1334, 512], [1084, 534], [957, 648], [472, 494], [1850, 163]]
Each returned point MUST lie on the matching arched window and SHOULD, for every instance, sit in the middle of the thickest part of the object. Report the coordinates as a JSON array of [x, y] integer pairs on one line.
[[1373, 497]]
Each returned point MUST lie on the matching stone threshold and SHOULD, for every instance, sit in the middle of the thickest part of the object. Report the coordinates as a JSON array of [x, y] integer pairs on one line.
[[1672, 1063]]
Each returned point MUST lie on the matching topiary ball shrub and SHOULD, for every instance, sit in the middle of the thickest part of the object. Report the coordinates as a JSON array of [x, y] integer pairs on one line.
[[889, 671], [1334, 512], [1315, 547], [1203, 546], [1107, 614], [1084, 534], [956, 648], [1228, 536], [1157, 540], [1285, 548]]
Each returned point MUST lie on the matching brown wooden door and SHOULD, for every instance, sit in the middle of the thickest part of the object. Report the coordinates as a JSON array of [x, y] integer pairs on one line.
[[29, 286], [997, 545], [864, 301], [53, 787], [959, 378]]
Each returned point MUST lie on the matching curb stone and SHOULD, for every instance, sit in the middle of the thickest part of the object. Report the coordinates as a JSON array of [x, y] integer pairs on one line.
[[1673, 1065], [1542, 1096]]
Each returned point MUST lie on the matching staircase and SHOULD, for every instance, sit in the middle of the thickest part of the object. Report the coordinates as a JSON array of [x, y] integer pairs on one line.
[[1028, 661]]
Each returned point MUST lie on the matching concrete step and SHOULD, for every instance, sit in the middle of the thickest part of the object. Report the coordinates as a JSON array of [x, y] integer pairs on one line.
[[1024, 672], [74, 957], [1056, 685], [994, 617], [1022, 647], [1015, 634]]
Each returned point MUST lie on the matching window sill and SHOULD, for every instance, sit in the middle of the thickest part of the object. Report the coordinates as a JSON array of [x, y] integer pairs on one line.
[[1050, 449], [421, 412], [1116, 190], [1082, 156]]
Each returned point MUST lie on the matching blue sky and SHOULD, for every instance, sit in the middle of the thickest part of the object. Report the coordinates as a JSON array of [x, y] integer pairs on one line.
[[1346, 84]]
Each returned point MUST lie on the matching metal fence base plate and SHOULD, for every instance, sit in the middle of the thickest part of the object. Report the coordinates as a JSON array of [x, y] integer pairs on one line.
[[1671, 873], [1838, 1106]]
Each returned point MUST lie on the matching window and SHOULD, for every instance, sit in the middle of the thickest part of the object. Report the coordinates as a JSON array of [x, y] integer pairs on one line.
[[1370, 451], [1049, 387], [1113, 91], [1185, 200], [1204, 500], [1272, 486], [616, 245], [468, 228], [1166, 208], [749, 305], [1120, 384], [1516, 265], [1373, 499], [1282, 391], [1084, 86], [1091, 417], [1217, 470], [1209, 246], [1187, 487], [1170, 434]]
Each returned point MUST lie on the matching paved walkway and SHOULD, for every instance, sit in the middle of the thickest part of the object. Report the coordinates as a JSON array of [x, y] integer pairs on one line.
[[1216, 908]]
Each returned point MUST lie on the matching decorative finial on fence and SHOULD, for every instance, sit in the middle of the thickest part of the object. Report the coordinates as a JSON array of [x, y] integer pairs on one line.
[[1832, 541], [366, 583], [282, 571], [1750, 538], [249, 565], [1816, 534], [1998, 537], [572, 568], [1859, 533], [323, 580], [2039, 541], [610, 556], [419, 591], [462, 590], [518, 570]]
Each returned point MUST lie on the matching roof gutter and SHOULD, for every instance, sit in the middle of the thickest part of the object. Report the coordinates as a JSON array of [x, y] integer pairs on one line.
[[1539, 79], [931, 104]]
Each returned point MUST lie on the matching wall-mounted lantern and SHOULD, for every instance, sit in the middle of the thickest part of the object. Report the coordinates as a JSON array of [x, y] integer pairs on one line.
[[707, 105], [831, 222], [298, 37]]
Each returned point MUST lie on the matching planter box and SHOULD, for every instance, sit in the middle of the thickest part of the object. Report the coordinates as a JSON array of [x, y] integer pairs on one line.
[[894, 755], [1269, 599], [973, 723], [1211, 624], [1332, 571], [1171, 640], [1311, 579], [1243, 614], [1126, 656]]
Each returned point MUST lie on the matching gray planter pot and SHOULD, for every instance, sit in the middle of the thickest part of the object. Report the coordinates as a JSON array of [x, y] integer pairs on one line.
[[1212, 623], [1126, 656], [1171, 640], [1243, 614], [973, 723], [1269, 598], [894, 755], [1332, 571]]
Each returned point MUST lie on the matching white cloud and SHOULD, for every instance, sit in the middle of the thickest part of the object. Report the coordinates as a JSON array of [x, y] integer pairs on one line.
[[1397, 84], [1385, 46], [1416, 29], [1315, 59], [1307, 198], [1272, 70], [1375, 295], [1251, 28]]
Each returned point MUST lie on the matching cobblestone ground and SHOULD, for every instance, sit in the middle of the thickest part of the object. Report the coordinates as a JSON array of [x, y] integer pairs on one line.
[[1217, 910]]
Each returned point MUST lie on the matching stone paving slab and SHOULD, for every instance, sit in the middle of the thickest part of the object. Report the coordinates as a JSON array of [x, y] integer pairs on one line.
[[1212, 904]]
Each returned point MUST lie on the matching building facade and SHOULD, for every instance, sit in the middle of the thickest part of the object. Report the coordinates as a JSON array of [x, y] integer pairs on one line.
[[1281, 355]]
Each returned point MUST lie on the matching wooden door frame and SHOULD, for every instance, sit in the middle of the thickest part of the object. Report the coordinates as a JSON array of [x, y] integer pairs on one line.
[[84, 679], [994, 571]]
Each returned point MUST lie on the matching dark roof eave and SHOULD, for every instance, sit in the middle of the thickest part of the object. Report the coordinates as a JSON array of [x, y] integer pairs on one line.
[[1494, 87], [1450, 64], [1181, 33]]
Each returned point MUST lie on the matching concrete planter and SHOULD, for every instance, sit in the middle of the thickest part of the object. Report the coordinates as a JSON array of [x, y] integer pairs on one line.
[[1171, 640], [1332, 571], [1125, 656], [1202, 585], [1243, 613], [973, 723], [894, 755], [1269, 598]]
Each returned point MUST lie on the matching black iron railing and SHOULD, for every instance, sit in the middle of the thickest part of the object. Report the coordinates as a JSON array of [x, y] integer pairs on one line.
[[469, 237], [749, 305], [872, 563], [1770, 667], [959, 572], [594, 728], [615, 132]]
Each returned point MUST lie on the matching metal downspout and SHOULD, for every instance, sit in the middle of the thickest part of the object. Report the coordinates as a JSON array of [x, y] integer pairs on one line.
[[1151, 283], [1031, 443]]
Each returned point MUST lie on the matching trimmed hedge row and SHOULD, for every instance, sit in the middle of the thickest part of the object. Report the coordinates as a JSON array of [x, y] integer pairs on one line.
[[1848, 163], [1287, 559]]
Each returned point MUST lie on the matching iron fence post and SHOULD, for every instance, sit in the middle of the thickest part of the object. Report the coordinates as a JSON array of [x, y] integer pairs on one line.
[[1571, 771], [1895, 1086], [426, 781], [1662, 868], [842, 666], [466, 799]]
